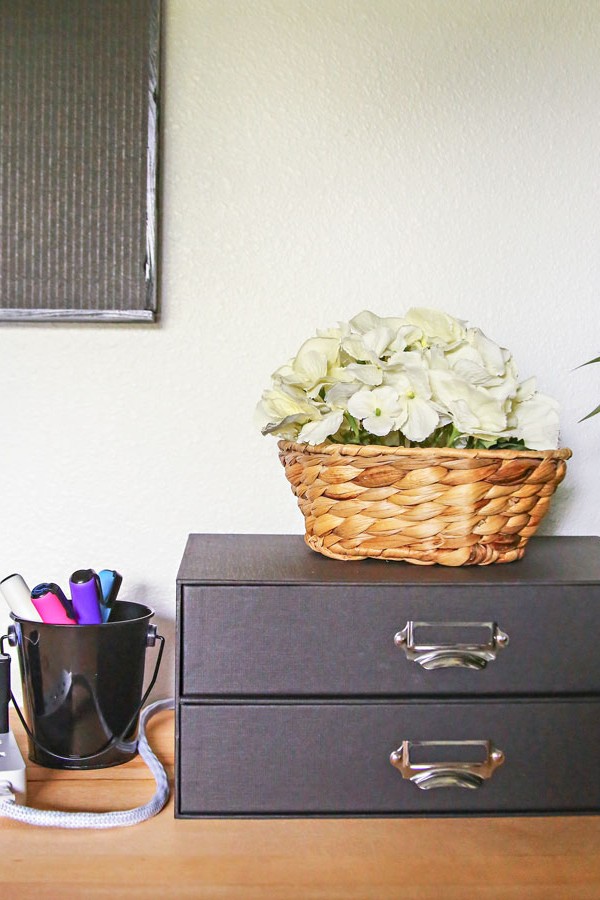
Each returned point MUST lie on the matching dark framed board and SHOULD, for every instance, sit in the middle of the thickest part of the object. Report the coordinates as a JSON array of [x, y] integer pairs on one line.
[[79, 91]]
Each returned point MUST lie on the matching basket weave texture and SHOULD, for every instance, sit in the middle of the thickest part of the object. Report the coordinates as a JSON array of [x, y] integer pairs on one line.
[[423, 506]]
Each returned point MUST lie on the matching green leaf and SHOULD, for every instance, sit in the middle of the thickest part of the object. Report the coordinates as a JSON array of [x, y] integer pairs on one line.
[[589, 363], [509, 444], [455, 436], [353, 425], [594, 412]]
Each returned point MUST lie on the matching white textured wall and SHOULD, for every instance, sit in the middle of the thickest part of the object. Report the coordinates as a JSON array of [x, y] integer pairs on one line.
[[320, 156]]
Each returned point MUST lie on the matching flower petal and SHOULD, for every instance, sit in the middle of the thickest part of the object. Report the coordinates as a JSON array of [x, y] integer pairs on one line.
[[437, 326], [379, 425], [472, 409], [361, 404], [421, 420], [339, 394], [318, 431], [538, 422], [367, 321], [378, 340], [367, 374]]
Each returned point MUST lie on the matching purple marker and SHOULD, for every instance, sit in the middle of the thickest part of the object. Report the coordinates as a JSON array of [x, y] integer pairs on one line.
[[86, 592]]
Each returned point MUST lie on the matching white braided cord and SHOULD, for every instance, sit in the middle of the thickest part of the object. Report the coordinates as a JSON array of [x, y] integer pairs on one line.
[[51, 818]]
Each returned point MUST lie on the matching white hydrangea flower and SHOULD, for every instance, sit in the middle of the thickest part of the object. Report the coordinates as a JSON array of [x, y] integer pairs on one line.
[[418, 417], [409, 339], [283, 410], [493, 357], [473, 410], [526, 389], [368, 321], [364, 374], [404, 379], [370, 346], [437, 327], [339, 331], [482, 363], [309, 368], [284, 401], [318, 431], [337, 397], [535, 421], [378, 409]]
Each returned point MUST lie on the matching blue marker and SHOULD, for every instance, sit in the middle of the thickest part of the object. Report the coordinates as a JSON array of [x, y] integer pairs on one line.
[[110, 581]]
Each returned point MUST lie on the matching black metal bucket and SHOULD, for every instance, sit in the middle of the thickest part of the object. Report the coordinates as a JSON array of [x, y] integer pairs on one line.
[[82, 686]]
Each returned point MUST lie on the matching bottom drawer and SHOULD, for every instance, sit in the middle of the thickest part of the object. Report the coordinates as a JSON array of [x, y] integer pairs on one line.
[[334, 758]]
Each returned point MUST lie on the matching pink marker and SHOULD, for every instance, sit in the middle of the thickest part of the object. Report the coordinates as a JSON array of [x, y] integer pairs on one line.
[[52, 605]]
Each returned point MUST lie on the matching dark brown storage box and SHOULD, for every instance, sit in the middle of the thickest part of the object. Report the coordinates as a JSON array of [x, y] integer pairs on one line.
[[298, 676]]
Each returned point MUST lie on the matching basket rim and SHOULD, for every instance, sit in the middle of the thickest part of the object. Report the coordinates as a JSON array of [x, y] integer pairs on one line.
[[371, 450]]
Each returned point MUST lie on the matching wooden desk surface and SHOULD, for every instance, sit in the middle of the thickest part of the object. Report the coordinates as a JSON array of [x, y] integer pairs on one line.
[[316, 859]]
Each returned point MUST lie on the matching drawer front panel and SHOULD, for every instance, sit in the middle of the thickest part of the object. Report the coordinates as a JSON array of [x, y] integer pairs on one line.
[[339, 640], [334, 758]]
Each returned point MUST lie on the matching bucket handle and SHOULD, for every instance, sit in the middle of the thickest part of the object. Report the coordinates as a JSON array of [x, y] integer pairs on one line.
[[151, 638]]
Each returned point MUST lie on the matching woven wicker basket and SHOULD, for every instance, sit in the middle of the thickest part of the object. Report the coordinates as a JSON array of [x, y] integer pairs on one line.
[[423, 506]]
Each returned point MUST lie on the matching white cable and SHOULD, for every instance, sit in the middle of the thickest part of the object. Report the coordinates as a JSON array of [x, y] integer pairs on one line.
[[56, 819]]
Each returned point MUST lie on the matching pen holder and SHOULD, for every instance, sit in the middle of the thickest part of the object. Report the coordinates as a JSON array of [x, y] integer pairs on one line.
[[82, 686]]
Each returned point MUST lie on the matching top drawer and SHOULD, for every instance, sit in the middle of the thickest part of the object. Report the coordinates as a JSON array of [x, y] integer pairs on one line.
[[351, 640]]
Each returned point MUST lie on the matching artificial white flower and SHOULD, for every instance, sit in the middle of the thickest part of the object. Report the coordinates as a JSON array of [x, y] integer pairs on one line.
[[318, 431], [310, 366], [494, 358], [282, 409], [526, 389], [418, 416], [409, 338], [377, 409], [425, 378], [284, 400], [465, 364], [337, 397], [437, 327], [473, 410], [481, 363], [370, 346], [536, 422], [364, 373], [368, 321], [339, 331]]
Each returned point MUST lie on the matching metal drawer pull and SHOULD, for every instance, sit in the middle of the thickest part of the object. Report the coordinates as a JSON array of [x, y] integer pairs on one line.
[[442, 655], [427, 775]]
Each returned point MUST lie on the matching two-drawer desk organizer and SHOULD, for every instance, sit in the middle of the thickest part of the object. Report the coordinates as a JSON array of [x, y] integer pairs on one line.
[[308, 686]]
